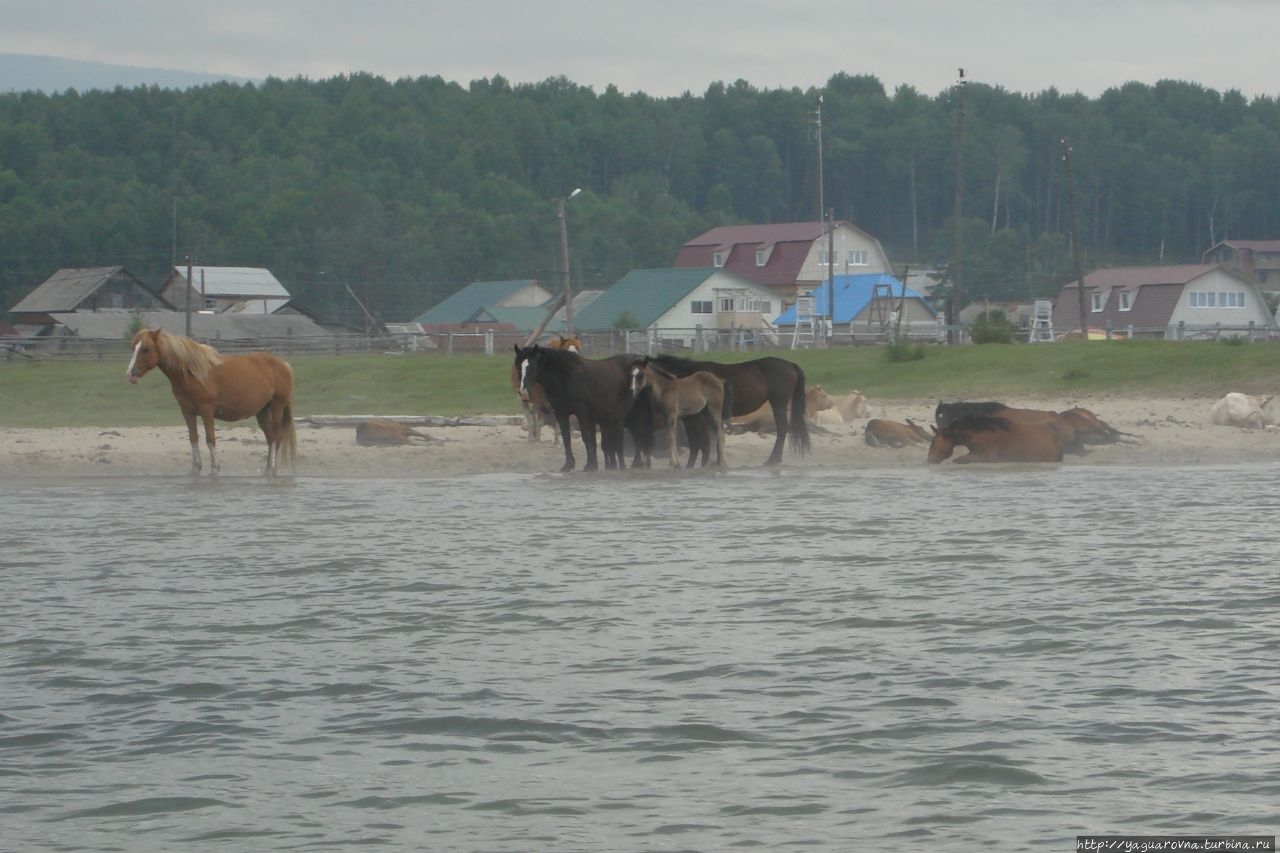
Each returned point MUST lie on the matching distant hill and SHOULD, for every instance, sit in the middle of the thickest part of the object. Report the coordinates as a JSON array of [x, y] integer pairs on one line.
[[20, 72]]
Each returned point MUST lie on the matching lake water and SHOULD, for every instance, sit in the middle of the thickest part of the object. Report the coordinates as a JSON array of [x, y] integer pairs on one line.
[[938, 658]]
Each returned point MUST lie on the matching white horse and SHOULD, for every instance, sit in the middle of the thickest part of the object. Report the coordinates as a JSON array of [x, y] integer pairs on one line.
[[1245, 410]]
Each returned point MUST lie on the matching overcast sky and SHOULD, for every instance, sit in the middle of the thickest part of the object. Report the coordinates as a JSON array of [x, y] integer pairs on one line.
[[665, 47]]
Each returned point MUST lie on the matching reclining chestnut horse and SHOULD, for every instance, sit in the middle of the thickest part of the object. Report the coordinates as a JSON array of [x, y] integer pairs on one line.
[[1080, 426], [997, 439], [948, 413]]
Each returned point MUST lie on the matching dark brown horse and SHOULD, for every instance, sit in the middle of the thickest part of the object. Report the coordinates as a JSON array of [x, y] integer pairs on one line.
[[595, 391], [750, 385], [996, 439], [209, 385], [536, 409]]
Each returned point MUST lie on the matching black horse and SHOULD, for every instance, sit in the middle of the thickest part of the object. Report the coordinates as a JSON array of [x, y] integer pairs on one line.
[[749, 385], [595, 391]]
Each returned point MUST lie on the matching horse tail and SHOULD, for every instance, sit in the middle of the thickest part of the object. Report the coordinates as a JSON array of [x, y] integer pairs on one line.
[[797, 429], [288, 432]]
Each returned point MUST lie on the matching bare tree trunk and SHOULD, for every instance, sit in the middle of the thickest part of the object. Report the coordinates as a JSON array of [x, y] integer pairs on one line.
[[995, 205]]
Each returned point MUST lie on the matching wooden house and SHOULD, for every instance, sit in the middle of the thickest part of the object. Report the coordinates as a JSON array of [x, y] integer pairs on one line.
[[84, 289]]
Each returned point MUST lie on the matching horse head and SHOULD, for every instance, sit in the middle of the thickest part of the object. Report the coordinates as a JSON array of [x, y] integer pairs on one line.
[[572, 343], [639, 376], [525, 357], [146, 354], [942, 445]]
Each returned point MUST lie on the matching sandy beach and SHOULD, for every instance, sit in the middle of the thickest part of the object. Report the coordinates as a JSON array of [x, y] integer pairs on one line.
[[1170, 431]]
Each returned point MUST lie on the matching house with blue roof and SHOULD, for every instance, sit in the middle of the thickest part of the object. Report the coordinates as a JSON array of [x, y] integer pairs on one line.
[[677, 303], [865, 305]]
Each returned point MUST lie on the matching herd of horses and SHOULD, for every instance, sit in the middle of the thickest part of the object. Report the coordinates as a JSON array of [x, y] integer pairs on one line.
[[611, 397], [642, 395]]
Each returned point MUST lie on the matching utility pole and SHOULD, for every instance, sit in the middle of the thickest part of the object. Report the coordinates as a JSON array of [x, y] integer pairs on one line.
[[188, 299], [957, 244], [1075, 239], [564, 260], [831, 275]]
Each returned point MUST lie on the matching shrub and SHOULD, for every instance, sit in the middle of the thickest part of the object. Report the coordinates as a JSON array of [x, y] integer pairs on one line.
[[992, 327], [899, 351]]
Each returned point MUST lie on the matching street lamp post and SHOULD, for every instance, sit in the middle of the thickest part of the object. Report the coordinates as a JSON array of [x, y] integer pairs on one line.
[[564, 260]]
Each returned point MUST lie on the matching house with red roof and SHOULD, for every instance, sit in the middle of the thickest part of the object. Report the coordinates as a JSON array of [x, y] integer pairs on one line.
[[1258, 259], [790, 258], [1174, 302]]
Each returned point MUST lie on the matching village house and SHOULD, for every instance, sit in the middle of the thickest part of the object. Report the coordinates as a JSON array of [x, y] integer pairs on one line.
[[789, 258], [688, 307], [1173, 302], [83, 289], [249, 290]]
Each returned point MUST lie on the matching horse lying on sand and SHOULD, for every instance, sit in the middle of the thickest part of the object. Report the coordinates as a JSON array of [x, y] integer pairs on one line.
[[1079, 427], [209, 385], [996, 439], [882, 433]]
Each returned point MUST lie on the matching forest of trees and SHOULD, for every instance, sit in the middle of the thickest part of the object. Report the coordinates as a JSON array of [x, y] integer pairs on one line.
[[406, 191]]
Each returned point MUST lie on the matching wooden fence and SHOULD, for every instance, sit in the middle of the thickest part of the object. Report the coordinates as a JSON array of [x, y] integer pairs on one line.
[[648, 342]]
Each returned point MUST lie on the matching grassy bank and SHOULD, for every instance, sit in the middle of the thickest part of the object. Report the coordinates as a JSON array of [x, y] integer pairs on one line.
[[48, 393]]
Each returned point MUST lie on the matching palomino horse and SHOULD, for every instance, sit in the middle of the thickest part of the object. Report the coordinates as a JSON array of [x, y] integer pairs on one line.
[[996, 439], [884, 433], [699, 393], [208, 385], [536, 409], [748, 385], [595, 391]]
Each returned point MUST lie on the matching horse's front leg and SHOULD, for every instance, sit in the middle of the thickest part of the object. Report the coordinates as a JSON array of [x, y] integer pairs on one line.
[[674, 453], [567, 437], [194, 437]]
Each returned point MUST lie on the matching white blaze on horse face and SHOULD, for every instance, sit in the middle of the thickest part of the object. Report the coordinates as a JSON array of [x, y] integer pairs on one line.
[[524, 380], [637, 380], [128, 372]]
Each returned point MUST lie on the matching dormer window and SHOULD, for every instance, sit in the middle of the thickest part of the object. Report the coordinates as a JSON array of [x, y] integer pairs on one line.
[[1095, 301], [717, 259], [762, 257], [1126, 300]]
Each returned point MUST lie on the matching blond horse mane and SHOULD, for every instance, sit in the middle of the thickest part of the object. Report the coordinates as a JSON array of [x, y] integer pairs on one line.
[[185, 354]]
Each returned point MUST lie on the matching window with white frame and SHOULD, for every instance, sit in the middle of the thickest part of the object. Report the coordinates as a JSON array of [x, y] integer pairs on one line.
[[1126, 300], [726, 304], [1230, 299], [700, 306], [857, 257], [761, 257], [1095, 301], [717, 259], [1200, 299], [823, 258]]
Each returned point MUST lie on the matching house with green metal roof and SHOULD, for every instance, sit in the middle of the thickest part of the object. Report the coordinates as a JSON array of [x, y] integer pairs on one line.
[[470, 303], [677, 303]]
